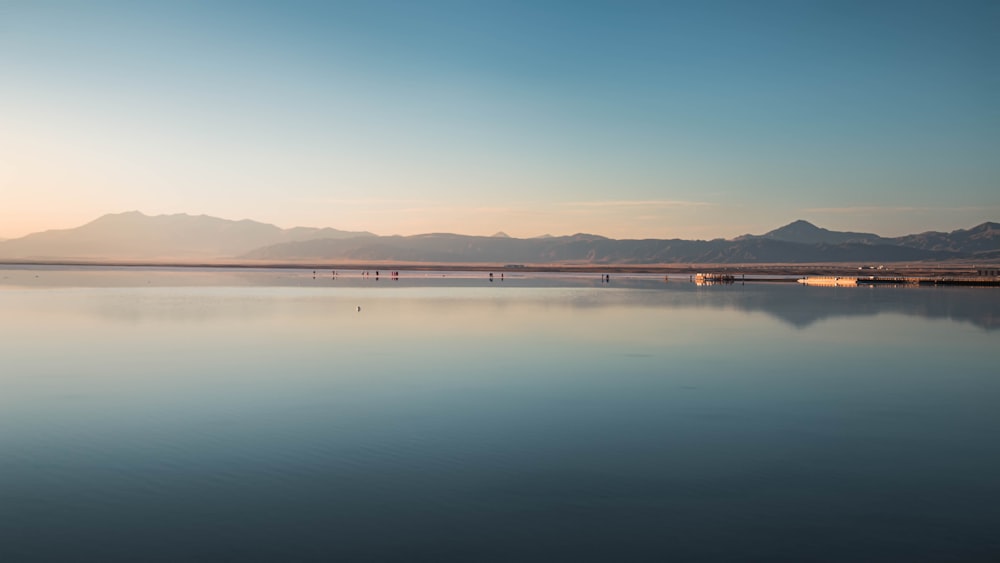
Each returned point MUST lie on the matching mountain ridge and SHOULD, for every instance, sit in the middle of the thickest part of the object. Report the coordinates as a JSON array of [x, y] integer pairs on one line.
[[134, 235], [779, 245]]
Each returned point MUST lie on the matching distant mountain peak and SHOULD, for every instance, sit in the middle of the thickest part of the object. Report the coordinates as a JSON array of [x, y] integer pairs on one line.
[[801, 223], [797, 226], [135, 235], [123, 215], [500, 234], [985, 227], [804, 232]]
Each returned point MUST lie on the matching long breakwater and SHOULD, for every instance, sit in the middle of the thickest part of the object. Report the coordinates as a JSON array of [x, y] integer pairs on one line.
[[900, 280]]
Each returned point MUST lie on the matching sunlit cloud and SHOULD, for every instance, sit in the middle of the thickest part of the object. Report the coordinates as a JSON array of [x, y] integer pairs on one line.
[[364, 201], [638, 203]]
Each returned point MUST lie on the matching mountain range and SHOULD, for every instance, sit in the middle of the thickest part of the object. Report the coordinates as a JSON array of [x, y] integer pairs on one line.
[[135, 236]]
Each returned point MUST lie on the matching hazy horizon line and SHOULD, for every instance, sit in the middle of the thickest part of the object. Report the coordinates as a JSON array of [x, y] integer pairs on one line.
[[623, 203]]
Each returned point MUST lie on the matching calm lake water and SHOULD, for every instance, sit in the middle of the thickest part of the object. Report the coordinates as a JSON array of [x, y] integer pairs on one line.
[[258, 415]]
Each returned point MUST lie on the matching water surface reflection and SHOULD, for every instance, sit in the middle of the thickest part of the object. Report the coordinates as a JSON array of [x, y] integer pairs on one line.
[[201, 418]]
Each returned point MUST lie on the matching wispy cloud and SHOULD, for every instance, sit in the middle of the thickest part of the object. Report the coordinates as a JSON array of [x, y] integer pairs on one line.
[[409, 203], [896, 209], [638, 203], [365, 201]]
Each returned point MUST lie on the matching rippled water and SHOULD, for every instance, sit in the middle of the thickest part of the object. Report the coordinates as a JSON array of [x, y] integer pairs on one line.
[[258, 415]]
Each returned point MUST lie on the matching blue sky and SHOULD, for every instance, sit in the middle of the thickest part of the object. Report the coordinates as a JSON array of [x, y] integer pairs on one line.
[[629, 119]]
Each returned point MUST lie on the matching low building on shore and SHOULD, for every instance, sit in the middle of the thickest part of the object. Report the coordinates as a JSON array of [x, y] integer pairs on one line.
[[988, 270]]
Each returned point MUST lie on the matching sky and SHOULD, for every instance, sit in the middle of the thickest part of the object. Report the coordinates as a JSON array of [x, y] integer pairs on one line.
[[694, 119]]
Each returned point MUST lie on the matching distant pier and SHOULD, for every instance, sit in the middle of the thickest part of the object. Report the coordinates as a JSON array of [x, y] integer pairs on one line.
[[901, 280], [725, 278], [713, 278]]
